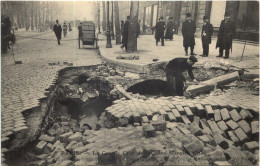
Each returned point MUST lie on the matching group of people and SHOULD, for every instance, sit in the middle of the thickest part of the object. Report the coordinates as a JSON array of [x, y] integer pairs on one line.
[[176, 82], [58, 29]]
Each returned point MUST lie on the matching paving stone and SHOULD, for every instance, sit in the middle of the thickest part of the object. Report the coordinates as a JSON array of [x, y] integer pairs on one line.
[[71, 145], [232, 125], [47, 138], [185, 119], [251, 146], [48, 148], [216, 155], [255, 127], [177, 115], [225, 114], [234, 115], [200, 110], [245, 126], [209, 111], [75, 137], [171, 125], [222, 163], [241, 135], [149, 130], [40, 146], [195, 130], [205, 138], [196, 119], [217, 115], [183, 130], [137, 117], [163, 112], [155, 117], [57, 144], [218, 138], [171, 117], [180, 109], [213, 126], [64, 136], [189, 113], [236, 156], [222, 125], [65, 163], [166, 108], [193, 148], [145, 119], [246, 115], [159, 125], [233, 137]]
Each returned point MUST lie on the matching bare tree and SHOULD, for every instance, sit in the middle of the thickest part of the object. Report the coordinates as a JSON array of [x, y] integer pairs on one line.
[[132, 31], [117, 24]]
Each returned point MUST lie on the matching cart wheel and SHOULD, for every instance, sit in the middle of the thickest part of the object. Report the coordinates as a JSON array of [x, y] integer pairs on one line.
[[79, 43]]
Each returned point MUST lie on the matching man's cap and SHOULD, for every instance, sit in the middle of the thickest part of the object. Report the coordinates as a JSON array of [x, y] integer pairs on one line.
[[227, 15], [193, 58], [205, 18], [188, 15]]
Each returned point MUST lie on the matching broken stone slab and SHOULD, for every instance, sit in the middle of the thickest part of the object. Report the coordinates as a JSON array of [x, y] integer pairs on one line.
[[149, 130], [47, 138], [76, 137], [234, 115], [251, 146], [244, 126], [193, 148]]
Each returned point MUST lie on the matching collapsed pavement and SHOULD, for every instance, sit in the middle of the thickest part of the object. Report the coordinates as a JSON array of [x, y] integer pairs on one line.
[[140, 130]]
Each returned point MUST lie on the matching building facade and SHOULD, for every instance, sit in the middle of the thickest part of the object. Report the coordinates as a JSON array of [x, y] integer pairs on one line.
[[244, 14]]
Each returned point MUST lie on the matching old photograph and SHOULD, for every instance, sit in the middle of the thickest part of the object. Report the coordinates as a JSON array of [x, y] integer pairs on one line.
[[129, 83]]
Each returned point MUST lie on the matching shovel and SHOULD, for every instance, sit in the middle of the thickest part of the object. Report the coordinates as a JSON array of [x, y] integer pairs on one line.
[[15, 62]]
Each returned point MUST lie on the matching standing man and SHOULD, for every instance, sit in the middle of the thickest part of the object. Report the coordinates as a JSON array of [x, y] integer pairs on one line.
[[122, 26], [175, 79], [159, 31], [57, 30], [188, 30], [169, 29], [225, 36], [80, 30], [125, 34], [65, 27], [138, 28], [207, 31]]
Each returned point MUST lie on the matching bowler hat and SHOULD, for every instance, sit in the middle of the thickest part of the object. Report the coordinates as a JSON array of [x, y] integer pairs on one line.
[[205, 18], [188, 15], [193, 58]]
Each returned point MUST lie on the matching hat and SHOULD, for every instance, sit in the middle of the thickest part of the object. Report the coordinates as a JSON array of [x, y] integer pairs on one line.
[[193, 58], [227, 15], [205, 18], [161, 18], [57, 20], [188, 15], [170, 18]]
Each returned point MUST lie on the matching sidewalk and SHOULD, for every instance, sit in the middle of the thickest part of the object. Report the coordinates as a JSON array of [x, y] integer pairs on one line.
[[147, 51]]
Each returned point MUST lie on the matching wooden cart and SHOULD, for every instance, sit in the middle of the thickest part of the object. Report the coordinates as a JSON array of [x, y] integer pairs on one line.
[[89, 36]]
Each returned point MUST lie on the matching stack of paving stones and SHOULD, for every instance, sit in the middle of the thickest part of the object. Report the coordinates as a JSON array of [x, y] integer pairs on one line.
[[107, 71]]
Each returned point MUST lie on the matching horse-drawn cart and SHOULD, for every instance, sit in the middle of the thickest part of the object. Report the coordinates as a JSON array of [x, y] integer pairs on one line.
[[88, 35]]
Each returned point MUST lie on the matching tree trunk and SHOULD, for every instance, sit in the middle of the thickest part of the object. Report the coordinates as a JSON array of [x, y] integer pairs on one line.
[[99, 17], [36, 16], [39, 15], [132, 31], [108, 45], [117, 24], [112, 21], [32, 6], [104, 16]]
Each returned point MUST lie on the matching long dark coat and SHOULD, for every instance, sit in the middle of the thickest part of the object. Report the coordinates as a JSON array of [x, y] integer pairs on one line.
[[208, 30], [125, 32], [169, 30], [225, 35], [159, 29], [57, 30], [188, 30]]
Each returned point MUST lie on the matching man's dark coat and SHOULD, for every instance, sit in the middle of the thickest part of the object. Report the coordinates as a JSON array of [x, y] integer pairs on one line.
[[188, 30], [208, 30], [159, 29], [57, 30], [125, 32], [225, 35], [169, 30]]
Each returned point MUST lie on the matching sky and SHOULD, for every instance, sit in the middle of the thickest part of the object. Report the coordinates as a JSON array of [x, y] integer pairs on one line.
[[81, 10]]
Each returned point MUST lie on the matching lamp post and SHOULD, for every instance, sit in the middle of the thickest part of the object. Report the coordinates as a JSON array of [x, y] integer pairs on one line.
[[108, 45]]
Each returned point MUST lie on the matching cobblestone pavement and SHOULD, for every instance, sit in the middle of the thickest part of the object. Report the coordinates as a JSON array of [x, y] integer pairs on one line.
[[24, 84]]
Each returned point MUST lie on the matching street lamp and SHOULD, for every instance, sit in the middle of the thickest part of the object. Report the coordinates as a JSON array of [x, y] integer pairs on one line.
[[108, 45]]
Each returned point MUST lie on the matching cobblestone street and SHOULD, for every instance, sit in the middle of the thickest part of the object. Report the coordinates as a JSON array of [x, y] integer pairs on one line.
[[24, 84]]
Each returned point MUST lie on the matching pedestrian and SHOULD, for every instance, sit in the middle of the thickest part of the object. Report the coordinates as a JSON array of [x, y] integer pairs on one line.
[[188, 30], [125, 34], [138, 28], [225, 36], [57, 30], [65, 27], [176, 25], [70, 29], [159, 31], [80, 30], [207, 31], [169, 29], [176, 81]]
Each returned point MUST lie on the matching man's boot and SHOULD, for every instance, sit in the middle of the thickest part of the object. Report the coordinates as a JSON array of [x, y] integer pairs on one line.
[[186, 52]]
